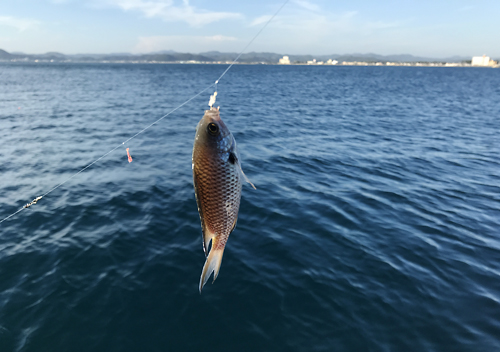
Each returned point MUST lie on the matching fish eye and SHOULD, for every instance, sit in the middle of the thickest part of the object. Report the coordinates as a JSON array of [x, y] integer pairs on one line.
[[213, 129]]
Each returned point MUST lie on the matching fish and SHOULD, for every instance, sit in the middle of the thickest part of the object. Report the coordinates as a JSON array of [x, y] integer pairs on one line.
[[218, 181]]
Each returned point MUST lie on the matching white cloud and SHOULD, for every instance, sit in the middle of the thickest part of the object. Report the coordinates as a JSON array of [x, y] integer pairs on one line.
[[220, 38], [21, 24], [317, 25], [326, 32], [307, 5], [260, 20], [169, 11], [182, 43], [303, 4]]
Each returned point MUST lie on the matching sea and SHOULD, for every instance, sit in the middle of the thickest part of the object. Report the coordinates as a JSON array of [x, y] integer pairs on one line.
[[375, 225]]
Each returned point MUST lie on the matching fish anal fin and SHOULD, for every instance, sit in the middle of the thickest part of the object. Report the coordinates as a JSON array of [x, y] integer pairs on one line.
[[234, 224], [204, 233], [207, 237]]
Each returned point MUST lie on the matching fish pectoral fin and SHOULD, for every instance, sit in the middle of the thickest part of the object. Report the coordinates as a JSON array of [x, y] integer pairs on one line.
[[243, 174], [212, 265]]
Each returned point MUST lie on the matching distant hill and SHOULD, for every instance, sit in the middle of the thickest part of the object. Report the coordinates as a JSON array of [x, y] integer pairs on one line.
[[216, 56], [5, 55], [246, 57]]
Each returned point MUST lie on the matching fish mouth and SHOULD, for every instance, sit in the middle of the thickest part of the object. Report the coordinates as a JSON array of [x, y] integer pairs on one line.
[[212, 115]]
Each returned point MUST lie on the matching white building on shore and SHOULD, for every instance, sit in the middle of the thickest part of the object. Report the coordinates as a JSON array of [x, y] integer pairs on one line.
[[285, 60], [482, 61]]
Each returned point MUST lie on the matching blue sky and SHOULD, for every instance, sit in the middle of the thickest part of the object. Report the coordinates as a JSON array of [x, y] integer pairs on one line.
[[424, 28]]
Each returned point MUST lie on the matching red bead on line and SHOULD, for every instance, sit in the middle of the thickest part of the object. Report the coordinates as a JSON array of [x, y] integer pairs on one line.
[[129, 157]]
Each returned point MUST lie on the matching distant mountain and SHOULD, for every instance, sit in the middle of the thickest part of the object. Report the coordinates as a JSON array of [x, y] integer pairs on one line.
[[95, 56], [164, 52], [167, 56], [457, 58], [411, 58], [158, 57], [216, 56], [246, 57], [5, 55], [51, 56]]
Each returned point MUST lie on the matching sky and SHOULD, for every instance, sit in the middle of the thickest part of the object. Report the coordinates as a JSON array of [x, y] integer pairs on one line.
[[435, 29]]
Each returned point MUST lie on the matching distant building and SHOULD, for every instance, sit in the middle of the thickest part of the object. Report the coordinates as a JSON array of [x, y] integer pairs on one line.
[[311, 62], [481, 61], [285, 60], [332, 62]]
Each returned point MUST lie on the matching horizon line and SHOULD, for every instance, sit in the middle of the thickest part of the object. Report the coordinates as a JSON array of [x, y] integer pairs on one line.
[[169, 51]]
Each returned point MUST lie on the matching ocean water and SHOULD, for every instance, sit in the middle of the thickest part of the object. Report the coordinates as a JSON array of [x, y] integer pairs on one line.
[[375, 225]]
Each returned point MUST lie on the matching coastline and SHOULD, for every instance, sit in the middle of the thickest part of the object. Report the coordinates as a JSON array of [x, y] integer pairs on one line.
[[194, 62]]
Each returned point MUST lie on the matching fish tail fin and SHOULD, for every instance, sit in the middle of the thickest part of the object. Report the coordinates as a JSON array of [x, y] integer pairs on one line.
[[212, 264]]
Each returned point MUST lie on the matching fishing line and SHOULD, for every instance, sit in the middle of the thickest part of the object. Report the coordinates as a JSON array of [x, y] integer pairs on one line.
[[34, 201], [251, 41], [106, 154]]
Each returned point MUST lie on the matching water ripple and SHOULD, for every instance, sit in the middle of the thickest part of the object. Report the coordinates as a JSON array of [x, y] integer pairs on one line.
[[374, 225]]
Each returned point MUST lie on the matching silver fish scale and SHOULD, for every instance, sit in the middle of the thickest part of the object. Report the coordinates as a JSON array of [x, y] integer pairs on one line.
[[218, 191]]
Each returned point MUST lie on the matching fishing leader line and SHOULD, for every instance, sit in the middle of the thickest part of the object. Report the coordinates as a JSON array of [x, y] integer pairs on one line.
[[34, 201]]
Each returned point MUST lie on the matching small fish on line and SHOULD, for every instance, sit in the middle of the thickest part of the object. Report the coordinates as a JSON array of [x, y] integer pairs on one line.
[[218, 180], [129, 157]]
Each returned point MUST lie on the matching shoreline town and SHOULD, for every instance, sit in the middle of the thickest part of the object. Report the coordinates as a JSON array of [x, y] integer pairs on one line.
[[476, 61], [246, 59]]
